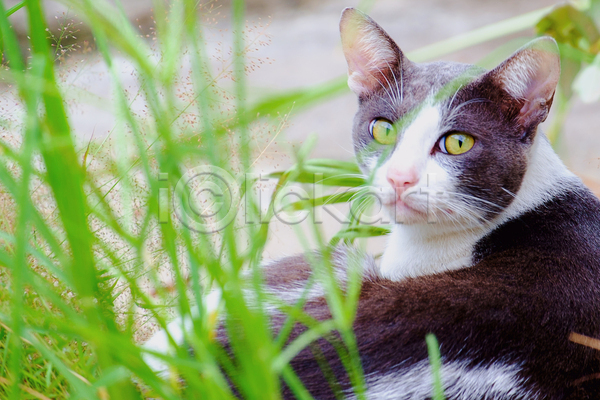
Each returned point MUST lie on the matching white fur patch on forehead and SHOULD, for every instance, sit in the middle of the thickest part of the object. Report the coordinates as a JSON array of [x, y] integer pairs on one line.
[[432, 194], [413, 150], [426, 124], [415, 143]]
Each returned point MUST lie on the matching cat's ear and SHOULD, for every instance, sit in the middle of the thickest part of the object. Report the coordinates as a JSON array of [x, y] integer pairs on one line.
[[530, 76], [371, 54]]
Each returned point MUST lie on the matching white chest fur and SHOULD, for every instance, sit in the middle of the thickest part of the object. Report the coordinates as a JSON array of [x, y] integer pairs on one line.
[[424, 249], [414, 250]]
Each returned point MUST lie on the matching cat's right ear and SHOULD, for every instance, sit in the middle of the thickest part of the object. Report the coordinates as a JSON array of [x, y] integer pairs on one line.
[[530, 77], [370, 53]]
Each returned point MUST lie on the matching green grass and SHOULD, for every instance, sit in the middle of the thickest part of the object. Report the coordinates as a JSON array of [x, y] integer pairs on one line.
[[88, 234]]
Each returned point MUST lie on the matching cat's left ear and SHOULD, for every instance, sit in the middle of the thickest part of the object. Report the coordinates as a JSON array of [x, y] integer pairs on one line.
[[371, 54], [530, 77]]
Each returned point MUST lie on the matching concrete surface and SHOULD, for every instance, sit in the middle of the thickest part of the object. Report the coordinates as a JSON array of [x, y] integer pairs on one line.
[[304, 49]]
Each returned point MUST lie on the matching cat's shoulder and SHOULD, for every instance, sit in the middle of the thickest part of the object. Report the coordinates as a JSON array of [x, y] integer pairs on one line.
[[566, 225]]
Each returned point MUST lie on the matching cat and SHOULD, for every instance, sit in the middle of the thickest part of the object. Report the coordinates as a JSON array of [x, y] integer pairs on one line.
[[497, 246]]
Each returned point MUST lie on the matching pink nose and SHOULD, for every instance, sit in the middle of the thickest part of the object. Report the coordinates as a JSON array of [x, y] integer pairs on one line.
[[402, 179]]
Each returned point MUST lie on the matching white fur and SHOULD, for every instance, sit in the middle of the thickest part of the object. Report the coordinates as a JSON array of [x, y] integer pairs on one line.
[[292, 294], [369, 54], [545, 178], [460, 381], [345, 260], [177, 329], [412, 152], [375, 50], [416, 250], [533, 72], [422, 243], [517, 79], [415, 247], [180, 327]]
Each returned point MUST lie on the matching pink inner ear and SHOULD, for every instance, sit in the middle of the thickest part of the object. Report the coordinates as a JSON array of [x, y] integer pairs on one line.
[[543, 79], [358, 62], [367, 49], [531, 75], [538, 94], [363, 74], [359, 80]]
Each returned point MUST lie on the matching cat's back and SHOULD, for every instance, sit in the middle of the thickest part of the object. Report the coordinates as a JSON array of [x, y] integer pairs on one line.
[[505, 323], [554, 247], [566, 227]]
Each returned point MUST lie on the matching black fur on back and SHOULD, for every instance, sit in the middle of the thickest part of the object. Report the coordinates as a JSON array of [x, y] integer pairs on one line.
[[535, 280]]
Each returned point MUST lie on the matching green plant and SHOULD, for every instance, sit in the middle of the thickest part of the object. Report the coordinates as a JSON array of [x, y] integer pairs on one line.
[[86, 230]]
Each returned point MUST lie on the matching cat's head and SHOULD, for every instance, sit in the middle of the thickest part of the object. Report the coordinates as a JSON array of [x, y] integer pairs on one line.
[[442, 138]]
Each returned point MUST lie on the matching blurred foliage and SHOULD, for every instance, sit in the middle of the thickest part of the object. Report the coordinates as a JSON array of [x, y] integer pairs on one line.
[[88, 235], [575, 28]]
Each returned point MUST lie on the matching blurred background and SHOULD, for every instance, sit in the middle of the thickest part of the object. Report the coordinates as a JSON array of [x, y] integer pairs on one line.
[[294, 44], [93, 253]]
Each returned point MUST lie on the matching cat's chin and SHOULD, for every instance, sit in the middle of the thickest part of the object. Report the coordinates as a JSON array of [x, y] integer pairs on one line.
[[403, 213]]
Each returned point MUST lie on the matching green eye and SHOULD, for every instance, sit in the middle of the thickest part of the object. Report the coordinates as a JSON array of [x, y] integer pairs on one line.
[[456, 143], [383, 131]]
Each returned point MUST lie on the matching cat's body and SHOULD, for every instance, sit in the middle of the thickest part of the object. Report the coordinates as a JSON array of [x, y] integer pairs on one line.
[[498, 249], [503, 323]]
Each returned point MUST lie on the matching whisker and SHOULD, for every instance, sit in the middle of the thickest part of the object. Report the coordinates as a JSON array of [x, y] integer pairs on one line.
[[455, 112], [391, 105], [469, 211], [471, 197], [401, 81], [454, 96], [389, 91], [398, 93], [466, 213], [460, 216], [509, 192]]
